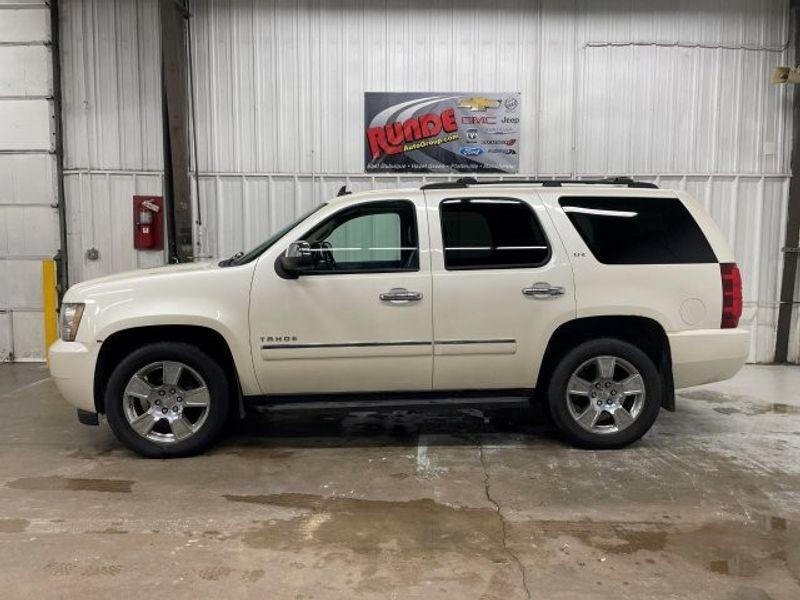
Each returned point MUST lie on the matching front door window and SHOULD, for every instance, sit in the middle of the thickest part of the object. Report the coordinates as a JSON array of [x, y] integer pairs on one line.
[[375, 237]]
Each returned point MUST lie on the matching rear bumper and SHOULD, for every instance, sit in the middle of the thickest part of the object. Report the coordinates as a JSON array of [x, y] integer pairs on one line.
[[707, 355], [72, 369]]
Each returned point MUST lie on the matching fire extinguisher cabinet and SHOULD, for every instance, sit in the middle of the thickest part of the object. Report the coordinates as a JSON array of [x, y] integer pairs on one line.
[[148, 222]]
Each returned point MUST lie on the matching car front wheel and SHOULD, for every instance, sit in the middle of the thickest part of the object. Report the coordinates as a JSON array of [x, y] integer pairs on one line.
[[167, 400], [605, 393]]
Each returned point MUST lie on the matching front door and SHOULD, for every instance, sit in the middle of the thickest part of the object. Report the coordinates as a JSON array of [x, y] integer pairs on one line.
[[361, 320], [502, 283]]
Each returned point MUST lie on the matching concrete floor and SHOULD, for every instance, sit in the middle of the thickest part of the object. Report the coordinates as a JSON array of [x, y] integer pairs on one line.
[[408, 505]]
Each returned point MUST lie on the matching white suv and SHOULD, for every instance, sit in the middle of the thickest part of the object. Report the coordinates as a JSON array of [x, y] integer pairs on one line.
[[597, 299]]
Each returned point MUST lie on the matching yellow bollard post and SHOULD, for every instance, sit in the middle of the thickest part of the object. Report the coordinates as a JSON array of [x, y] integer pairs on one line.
[[49, 303]]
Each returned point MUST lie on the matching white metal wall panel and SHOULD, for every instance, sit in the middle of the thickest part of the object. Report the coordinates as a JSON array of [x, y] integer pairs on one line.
[[24, 24], [280, 84], [110, 61], [26, 71], [723, 115], [28, 219], [26, 125], [113, 146]]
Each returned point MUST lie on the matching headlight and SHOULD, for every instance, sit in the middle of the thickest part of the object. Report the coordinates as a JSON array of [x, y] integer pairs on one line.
[[70, 318]]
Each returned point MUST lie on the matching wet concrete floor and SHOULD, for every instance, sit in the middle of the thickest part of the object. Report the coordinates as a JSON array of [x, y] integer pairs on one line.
[[446, 504]]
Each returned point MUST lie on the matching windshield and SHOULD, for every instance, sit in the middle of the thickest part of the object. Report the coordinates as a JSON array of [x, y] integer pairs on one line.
[[240, 259]]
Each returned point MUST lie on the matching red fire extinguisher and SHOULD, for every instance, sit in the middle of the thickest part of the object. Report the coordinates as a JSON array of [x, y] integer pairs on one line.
[[147, 225]]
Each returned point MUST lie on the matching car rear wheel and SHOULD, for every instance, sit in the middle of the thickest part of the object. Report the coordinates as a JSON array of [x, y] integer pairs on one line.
[[605, 393], [167, 400]]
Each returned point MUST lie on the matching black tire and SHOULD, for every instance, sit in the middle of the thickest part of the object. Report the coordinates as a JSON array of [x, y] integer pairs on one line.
[[218, 405], [572, 360]]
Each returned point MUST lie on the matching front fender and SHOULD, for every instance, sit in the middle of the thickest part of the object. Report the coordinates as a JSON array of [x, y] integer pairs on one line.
[[216, 299]]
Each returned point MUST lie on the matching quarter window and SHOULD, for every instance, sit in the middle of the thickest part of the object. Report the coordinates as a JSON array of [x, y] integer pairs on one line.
[[491, 233], [369, 237], [630, 231]]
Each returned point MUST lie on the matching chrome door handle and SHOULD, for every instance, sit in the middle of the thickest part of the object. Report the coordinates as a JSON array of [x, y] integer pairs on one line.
[[542, 289], [398, 295]]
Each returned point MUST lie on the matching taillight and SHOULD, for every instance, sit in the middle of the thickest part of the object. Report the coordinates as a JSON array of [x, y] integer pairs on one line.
[[731, 295]]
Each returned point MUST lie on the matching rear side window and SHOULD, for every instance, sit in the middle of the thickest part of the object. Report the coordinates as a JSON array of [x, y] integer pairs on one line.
[[491, 233], [632, 231]]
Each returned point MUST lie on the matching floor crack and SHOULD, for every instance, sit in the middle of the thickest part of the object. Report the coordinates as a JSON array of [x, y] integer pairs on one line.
[[503, 523]]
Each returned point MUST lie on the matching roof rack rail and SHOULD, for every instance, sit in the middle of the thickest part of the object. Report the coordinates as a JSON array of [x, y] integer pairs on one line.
[[464, 182]]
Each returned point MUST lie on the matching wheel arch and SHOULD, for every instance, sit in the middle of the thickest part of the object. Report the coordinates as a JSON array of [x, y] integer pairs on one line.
[[643, 332], [122, 342]]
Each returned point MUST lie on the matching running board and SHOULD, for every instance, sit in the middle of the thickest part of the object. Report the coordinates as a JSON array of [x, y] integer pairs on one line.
[[383, 403]]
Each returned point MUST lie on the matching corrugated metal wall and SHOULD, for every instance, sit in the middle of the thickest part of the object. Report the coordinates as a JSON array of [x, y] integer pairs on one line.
[[674, 92], [28, 184], [113, 148]]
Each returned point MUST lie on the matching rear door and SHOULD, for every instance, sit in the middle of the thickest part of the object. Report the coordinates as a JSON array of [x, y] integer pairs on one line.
[[502, 283]]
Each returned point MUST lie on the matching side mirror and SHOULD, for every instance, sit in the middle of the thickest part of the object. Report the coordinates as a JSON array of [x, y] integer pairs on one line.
[[297, 258]]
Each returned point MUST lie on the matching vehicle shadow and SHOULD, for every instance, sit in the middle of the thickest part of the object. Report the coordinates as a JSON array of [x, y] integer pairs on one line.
[[397, 428]]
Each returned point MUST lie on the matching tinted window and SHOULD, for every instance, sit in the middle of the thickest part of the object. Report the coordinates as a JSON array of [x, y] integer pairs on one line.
[[491, 233], [375, 236], [633, 231]]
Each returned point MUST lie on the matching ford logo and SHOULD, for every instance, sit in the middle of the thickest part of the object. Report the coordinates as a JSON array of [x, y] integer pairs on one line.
[[471, 150]]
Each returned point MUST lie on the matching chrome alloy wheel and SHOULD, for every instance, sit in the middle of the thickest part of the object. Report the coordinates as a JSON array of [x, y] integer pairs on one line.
[[605, 394], [166, 402]]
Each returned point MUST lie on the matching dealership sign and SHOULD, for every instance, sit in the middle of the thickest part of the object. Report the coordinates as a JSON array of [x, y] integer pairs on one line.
[[428, 132]]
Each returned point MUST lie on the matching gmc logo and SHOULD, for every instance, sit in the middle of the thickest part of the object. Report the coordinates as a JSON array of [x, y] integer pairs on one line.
[[480, 120]]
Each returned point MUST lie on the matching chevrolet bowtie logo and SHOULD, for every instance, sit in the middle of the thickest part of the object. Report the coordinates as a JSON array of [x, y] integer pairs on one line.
[[478, 103]]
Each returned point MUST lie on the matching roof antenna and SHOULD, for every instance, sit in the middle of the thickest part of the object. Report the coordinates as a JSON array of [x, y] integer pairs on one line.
[[343, 191]]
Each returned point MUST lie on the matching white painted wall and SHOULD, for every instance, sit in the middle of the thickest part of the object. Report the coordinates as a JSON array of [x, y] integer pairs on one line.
[[676, 93], [111, 84], [28, 186]]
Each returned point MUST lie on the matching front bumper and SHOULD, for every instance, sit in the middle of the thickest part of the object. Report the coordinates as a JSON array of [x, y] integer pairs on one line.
[[707, 355], [72, 369]]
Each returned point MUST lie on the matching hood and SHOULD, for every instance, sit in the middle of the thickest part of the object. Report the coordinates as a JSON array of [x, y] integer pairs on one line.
[[121, 279]]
